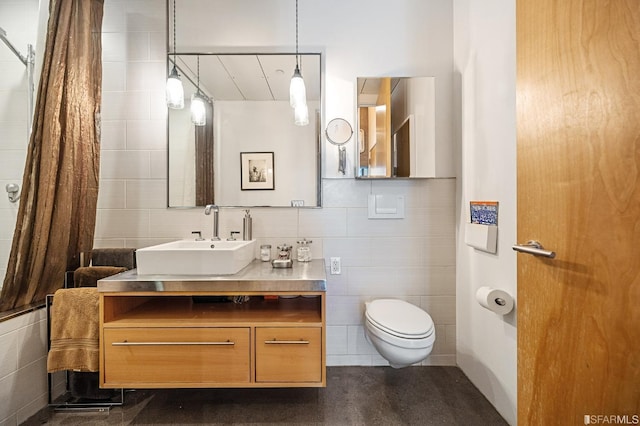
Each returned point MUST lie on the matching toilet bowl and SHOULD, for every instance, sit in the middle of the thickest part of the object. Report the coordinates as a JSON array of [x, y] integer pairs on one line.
[[402, 333]]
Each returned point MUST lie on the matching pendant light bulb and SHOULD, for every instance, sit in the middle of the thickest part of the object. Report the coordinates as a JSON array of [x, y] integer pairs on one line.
[[175, 91], [198, 110], [198, 106], [297, 91], [301, 115]]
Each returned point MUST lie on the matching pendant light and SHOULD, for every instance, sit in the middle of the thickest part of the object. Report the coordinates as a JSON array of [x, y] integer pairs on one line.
[[301, 115], [198, 106], [175, 91], [297, 91]]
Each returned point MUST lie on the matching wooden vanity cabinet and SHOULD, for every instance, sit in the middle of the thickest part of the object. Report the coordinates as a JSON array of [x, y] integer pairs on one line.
[[167, 340]]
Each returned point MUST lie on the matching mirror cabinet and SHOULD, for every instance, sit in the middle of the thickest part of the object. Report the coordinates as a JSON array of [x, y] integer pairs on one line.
[[396, 127]]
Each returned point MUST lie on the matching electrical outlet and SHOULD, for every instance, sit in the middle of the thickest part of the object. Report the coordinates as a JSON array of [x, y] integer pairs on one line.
[[297, 203], [335, 266]]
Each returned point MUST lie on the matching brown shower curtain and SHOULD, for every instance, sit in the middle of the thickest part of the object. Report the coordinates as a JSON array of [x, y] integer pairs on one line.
[[57, 213], [204, 160]]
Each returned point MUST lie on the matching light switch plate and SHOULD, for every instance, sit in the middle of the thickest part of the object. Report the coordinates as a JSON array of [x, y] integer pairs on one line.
[[386, 206]]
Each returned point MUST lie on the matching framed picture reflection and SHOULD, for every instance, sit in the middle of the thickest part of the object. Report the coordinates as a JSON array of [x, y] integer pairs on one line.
[[256, 171]]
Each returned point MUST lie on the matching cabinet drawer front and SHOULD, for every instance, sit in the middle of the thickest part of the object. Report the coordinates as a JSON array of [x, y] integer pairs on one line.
[[176, 355], [288, 354]]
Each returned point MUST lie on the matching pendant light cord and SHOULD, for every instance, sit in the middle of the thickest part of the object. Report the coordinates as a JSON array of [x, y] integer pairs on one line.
[[198, 70], [174, 33], [296, 33]]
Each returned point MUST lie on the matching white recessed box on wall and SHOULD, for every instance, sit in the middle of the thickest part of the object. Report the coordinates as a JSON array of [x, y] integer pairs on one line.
[[386, 206], [481, 237]]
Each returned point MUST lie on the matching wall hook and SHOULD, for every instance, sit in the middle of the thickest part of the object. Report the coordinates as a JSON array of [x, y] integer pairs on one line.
[[13, 190]]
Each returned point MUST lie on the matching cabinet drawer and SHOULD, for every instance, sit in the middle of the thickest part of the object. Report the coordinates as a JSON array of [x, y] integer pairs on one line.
[[176, 355], [288, 354]]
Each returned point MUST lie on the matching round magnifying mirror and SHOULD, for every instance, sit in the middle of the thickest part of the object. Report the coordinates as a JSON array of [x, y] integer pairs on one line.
[[338, 131]]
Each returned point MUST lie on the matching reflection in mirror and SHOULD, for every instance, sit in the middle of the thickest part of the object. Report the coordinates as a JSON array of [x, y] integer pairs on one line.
[[248, 112], [396, 127]]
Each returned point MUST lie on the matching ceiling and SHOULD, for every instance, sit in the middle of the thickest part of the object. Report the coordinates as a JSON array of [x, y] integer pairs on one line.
[[369, 87], [253, 77]]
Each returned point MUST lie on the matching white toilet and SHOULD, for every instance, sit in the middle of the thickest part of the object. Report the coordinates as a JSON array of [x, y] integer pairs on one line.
[[401, 332]]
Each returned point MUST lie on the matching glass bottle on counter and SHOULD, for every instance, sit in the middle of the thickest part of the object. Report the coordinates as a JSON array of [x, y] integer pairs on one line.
[[265, 252], [304, 250]]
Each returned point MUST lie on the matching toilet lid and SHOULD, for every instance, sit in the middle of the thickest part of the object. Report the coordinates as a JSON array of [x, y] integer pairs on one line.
[[400, 318]]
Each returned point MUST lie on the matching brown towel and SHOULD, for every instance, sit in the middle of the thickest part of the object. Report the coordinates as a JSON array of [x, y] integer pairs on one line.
[[88, 276], [75, 327], [114, 257]]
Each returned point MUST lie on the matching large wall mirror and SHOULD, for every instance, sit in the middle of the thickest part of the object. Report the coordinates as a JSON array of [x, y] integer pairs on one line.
[[396, 127], [249, 153]]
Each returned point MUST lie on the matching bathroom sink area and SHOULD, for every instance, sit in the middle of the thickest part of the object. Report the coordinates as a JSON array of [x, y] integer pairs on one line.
[[170, 331], [189, 257]]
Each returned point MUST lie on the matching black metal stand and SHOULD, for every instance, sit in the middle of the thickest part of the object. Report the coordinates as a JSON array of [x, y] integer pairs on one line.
[[68, 402]]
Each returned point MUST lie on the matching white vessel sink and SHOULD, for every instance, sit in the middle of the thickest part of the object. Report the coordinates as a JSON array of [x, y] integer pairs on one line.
[[189, 257]]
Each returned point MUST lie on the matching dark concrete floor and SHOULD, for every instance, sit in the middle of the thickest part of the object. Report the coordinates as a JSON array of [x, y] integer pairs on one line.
[[353, 396]]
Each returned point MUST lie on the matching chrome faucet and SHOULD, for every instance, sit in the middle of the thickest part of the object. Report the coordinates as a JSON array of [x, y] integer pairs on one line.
[[207, 210]]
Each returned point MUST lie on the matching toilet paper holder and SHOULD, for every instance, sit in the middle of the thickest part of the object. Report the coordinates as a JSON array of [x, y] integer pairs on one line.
[[495, 300]]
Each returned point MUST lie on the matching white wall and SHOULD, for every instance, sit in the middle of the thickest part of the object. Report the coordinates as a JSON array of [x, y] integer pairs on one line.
[[484, 56]]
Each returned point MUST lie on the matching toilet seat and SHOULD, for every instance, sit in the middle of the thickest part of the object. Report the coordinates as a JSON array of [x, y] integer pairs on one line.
[[399, 318]]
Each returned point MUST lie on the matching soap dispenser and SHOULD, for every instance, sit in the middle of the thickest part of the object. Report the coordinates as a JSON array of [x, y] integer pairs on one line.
[[247, 226]]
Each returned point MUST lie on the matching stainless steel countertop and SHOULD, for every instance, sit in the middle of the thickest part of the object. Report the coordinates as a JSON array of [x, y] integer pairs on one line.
[[257, 276]]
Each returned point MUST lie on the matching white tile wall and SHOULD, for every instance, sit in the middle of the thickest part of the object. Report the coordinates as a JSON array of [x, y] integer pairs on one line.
[[14, 77], [146, 135], [13, 105], [12, 165], [23, 370], [114, 135], [13, 134]]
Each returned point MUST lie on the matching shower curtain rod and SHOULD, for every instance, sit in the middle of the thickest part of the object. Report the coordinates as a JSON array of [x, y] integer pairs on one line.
[[3, 35], [29, 62]]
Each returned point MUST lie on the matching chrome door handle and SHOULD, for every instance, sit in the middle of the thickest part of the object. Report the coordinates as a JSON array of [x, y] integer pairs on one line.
[[535, 248]]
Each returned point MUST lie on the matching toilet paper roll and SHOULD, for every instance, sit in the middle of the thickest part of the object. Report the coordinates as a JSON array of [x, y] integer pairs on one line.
[[495, 300]]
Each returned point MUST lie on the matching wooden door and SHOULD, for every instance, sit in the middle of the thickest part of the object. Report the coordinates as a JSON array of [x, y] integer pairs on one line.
[[578, 112]]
